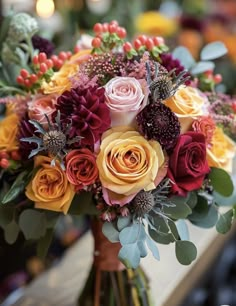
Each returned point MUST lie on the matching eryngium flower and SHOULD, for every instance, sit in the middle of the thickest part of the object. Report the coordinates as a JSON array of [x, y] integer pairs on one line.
[[156, 121], [143, 203], [87, 112], [43, 45]]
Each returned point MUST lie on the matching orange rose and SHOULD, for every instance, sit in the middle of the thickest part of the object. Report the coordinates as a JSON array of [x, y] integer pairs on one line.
[[81, 168], [49, 188], [206, 126], [8, 133]]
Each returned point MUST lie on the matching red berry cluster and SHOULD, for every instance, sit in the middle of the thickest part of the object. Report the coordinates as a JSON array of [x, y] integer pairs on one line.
[[155, 45], [41, 65], [5, 158], [217, 78], [107, 35]]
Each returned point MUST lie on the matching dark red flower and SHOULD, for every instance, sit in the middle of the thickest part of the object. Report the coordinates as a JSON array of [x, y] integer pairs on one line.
[[187, 163], [26, 129], [85, 109]]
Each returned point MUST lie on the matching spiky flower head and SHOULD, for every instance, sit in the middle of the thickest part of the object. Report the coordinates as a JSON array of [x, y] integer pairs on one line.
[[22, 27], [54, 141], [156, 121], [143, 203]]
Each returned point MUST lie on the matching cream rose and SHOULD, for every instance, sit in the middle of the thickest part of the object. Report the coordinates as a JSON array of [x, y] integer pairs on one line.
[[125, 97], [222, 151], [187, 104], [128, 163]]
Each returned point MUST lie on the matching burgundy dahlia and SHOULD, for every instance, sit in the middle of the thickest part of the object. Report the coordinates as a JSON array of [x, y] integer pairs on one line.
[[85, 109], [43, 45], [156, 121]]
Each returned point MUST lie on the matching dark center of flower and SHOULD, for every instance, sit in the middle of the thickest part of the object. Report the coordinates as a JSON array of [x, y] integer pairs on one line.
[[54, 141]]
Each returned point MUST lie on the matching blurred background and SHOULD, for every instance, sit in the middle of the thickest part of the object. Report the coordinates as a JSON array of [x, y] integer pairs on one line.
[[190, 23]]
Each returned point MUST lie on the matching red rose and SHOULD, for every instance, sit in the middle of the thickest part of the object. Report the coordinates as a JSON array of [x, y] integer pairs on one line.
[[187, 163], [81, 168]]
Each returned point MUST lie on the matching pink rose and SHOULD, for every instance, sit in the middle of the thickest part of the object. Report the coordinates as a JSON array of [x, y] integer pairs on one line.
[[125, 97], [41, 105], [206, 126]]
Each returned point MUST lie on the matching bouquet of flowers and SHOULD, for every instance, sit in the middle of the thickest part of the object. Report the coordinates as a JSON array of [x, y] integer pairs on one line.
[[121, 131]]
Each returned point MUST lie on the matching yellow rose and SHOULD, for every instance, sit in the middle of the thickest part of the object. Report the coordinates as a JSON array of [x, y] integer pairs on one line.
[[8, 133], [49, 188], [187, 104], [60, 81], [127, 163], [222, 151]]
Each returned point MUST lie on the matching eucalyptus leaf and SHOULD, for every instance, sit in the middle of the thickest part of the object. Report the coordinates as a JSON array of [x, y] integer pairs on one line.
[[221, 181], [11, 232], [129, 254], [6, 215], [83, 203], [192, 199], [153, 248], [201, 67], [186, 252], [33, 224], [161, 238], [131, 234], [184, 56], [200, 210], [209, 220], [123, 222], [110, 232], [44, 243], [16, 188], [182, 229], [213, 50], [225, 222], [142, 248], [180, 211]]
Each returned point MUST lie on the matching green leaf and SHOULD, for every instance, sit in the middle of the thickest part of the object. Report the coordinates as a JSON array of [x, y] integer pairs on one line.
[[225, 222], [44, 243], [132, 233], [16, 188], [33, 224], [182, 229], [180, 211], [201, 67], [83, 203], [200, 210], [160, 238], [123, 222], [213, 50], [153, 248], [184, 56], [185, 252], [192, 199], [11, 232], [209, 220], [129, 254], [221, 181], [110, 232], [6, 215]]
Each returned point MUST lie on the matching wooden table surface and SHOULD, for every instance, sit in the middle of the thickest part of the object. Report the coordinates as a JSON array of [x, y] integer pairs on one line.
[[169, 280]]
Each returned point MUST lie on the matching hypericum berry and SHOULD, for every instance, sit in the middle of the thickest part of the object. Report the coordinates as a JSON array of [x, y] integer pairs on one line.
[[127, 47], [69, 54], [76, 49], [112, 28], [15, 155], [4, 154], [96, 42], [42, 57], [27, 83], [149, 44], [62, 55], [49, 63], [142, 38], [24, 73], [39, 74], [4, 163], [208, 73], [158, 41], [36, 59], [121, 32], [98, 28], [33, 78], [217, 78], [137, 44], [43, 68], [115, 22], [105, 27], [20, 79], [58, 63]]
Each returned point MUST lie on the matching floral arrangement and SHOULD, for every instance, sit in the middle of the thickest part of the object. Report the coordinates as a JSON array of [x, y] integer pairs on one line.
[[121, 131]]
